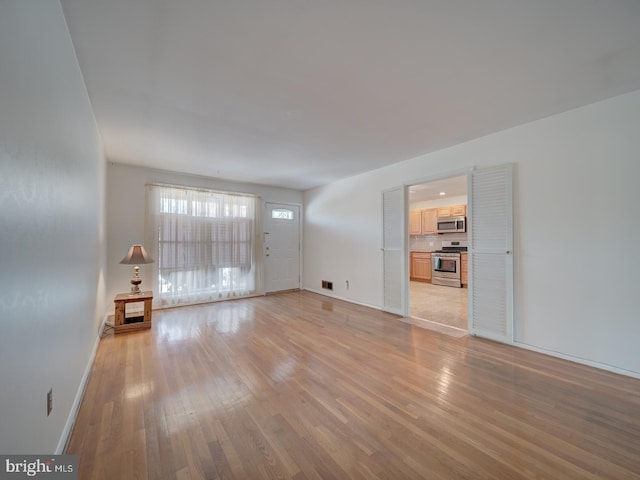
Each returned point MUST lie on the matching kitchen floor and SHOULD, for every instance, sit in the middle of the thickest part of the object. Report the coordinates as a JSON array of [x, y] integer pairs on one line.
[[438, 304]]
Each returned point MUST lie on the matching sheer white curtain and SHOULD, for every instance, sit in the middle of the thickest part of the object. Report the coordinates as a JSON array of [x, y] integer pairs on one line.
[[206, 244]]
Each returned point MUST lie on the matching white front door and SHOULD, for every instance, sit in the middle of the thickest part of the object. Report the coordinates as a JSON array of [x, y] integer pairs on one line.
[[281, 247]]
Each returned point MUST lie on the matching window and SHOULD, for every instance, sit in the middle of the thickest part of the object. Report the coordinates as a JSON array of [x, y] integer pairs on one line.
[[204, 244], [282, 214]]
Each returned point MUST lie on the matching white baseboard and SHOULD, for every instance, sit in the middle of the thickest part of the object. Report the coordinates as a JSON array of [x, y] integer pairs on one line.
[[582, 361], [73, 413], [344, 299]]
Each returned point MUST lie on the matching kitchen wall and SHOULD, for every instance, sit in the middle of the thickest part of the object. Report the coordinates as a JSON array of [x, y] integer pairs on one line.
[[126, 213], [575, 189], [429, 243], [51, 228]]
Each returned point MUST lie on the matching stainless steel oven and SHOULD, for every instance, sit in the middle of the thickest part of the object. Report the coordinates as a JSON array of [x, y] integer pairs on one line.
[[445, 264], [446, 269]]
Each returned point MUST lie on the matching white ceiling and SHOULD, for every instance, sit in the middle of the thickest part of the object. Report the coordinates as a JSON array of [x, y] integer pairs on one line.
[[299, 93], [451, 187]]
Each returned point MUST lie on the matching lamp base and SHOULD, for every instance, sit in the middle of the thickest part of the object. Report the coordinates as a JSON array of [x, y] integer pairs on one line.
[[135, 286], [136, 281]]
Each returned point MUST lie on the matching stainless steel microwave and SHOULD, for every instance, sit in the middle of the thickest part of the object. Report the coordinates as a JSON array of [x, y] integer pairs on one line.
[[452, 224]]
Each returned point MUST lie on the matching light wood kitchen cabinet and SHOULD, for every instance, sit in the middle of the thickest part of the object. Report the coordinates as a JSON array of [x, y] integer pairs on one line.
[[429, 221], [444, 212], [423, 222], [464, 269], [420, 266], [415, 222], [452, 211], [459, 211]]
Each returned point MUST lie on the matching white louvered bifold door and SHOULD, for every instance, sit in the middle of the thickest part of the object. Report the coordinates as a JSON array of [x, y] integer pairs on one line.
[[491, 253], [392, 238]]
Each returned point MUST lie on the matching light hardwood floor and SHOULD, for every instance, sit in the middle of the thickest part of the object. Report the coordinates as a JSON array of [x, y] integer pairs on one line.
[[300, 386]]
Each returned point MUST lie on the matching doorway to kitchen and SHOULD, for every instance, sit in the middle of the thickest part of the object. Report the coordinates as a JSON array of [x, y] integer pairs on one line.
[[438, 297]]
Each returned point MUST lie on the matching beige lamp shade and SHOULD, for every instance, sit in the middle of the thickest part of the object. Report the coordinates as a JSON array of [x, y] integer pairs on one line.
[[136, 256]]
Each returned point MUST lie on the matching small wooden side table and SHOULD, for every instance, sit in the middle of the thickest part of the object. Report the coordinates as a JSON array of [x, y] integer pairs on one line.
[[121, 324]]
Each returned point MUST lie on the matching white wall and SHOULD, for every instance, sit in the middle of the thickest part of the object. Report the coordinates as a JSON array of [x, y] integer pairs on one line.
[[126, 213], [576, 197], [51, 227]]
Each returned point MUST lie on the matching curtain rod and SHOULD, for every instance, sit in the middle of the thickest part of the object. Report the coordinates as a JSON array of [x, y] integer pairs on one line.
[[200, 189]]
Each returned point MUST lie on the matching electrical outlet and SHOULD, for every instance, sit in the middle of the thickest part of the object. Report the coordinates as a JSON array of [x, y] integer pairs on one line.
[[49, 401]]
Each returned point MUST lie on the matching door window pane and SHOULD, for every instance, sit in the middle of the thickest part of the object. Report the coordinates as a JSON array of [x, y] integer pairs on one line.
[[282, 214]]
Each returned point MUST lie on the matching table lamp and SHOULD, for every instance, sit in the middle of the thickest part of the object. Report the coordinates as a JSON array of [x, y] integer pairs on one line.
[[136, 256]]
